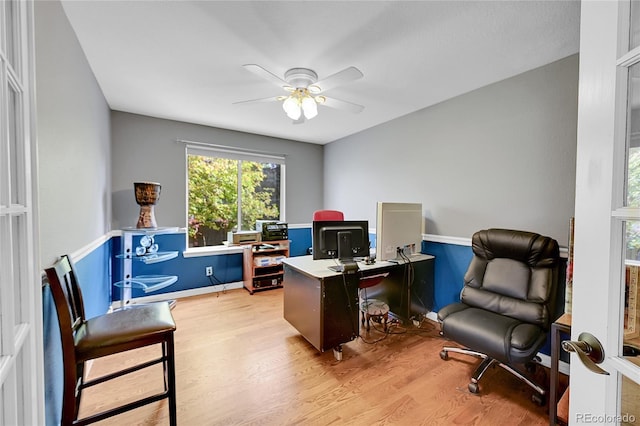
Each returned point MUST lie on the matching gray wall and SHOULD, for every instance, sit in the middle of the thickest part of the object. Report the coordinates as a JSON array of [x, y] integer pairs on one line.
[[500, 156], [73, 131], [145, 149]]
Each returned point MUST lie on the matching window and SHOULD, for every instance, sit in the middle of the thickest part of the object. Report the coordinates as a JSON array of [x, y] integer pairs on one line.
[[228, 190]]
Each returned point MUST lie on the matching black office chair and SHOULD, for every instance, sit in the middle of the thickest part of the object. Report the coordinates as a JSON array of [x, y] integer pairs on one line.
[[506, 303]]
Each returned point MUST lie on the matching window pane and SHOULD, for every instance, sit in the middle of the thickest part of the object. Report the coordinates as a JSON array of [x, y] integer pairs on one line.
[[213, 199], [229, 195], [260, 193]]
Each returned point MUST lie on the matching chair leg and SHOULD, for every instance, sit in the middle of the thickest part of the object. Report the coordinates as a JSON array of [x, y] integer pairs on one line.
[[485, 364], [524, 378], [171, 380], [464, 351], [481, 369]]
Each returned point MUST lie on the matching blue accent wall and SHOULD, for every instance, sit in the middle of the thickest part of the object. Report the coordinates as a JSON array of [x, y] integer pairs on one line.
[[300, 241], [94, 276], [451, 263], [227, 268], [52, 360]]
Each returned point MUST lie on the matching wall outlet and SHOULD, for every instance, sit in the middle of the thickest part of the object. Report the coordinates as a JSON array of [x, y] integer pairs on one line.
[[209, 271]]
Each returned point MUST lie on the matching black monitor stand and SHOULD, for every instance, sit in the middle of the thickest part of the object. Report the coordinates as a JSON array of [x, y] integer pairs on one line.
[[345, 254]]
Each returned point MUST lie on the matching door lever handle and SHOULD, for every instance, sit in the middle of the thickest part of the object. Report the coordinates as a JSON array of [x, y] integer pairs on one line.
[[589, 350]]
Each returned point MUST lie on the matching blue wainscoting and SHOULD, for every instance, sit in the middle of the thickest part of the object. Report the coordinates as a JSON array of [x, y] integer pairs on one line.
[[451, 263], [94, 275], [300, 241], [227, 268]]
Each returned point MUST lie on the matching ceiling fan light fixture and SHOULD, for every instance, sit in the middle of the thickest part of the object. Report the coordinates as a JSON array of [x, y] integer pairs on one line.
[[309, 107], [314, 89], [291, 106]]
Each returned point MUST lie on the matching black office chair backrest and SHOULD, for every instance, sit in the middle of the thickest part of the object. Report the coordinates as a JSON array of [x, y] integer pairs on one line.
[[513, 273]]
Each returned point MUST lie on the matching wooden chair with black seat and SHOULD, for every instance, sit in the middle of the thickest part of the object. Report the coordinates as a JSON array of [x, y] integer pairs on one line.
[[120, 331]]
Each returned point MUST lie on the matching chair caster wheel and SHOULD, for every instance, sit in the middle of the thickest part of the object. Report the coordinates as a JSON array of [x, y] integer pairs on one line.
[[473, 387], [444, 355], [538, 399]]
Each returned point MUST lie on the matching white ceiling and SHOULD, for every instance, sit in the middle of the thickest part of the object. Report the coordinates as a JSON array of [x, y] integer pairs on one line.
[[182, 60]]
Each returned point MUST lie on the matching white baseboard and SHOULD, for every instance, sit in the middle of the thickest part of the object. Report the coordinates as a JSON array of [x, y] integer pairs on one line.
[[183, 293]]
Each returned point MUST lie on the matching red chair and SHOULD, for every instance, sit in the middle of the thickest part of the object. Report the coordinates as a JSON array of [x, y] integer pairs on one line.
[[372, 308], [327, 215]]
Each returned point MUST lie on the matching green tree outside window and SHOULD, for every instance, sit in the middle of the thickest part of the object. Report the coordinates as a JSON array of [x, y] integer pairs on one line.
[[217, 204]]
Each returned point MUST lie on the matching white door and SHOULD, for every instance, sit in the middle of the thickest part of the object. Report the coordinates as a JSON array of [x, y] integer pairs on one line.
[[21, 387], [607, 224]]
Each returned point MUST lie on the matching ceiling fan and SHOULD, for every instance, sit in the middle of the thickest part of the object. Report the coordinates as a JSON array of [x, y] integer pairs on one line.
[[304, 90]]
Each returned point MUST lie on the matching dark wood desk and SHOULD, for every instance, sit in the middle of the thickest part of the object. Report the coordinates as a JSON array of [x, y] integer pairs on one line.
[[316, 302], [561, 325]]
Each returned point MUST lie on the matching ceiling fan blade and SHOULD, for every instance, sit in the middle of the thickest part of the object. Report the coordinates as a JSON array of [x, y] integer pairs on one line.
[[344, 105], [269, 99], [338, 79], [267, 75]]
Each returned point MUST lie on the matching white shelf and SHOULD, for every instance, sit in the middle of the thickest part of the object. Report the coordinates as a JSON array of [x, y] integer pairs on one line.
[[148, 283], [148, 259], [151, 231]]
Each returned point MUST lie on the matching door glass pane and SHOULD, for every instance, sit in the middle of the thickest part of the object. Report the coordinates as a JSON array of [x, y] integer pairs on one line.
[[631, 311], [5, 281], [635, 25], [18, 247], [15, 148], [630, 404], [633, 126], [10, 31]]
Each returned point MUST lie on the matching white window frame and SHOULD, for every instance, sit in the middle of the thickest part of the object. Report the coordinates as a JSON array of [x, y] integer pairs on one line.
[[212, 150]]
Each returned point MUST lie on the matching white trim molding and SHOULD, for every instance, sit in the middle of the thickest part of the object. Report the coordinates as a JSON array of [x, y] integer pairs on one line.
[[459, 241]]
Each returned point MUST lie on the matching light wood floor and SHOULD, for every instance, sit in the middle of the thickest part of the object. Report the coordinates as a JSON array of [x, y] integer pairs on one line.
[[240, 362]]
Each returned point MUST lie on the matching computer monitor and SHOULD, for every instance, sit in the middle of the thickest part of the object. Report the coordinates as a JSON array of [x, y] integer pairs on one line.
[[398, 225], [343, 240]]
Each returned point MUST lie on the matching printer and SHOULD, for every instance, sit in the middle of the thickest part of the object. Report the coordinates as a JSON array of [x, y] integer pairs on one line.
[[272, 230]]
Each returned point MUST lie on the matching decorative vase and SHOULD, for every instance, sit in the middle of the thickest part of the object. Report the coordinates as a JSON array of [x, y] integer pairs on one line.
[[147, 195]]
